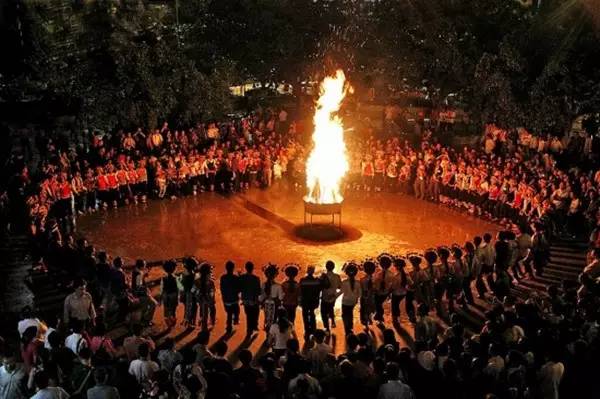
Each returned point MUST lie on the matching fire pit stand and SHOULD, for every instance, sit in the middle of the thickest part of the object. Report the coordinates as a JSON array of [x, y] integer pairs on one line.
[[311, 208]]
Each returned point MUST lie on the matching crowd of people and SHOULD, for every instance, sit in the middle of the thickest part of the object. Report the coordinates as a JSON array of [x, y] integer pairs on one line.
[[541, 347]]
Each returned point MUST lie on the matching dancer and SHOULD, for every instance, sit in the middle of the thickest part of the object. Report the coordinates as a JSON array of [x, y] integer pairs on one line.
[[250, 292], [367, 294], [230, 294], [310, 290], [291, 291], [350, 295], [204, 291], [383, 284], [169, 292], [189, 299], [401, 288], [271, 295], [332, 284]]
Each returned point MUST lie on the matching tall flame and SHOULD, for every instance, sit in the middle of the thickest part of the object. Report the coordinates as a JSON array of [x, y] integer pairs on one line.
[[327, 163]]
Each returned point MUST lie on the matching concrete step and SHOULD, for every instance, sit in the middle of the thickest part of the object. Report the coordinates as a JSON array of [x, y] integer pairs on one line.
[[565, 268], [569, 245], [560, 274], [569, 252], [567, 260], [539, 284]]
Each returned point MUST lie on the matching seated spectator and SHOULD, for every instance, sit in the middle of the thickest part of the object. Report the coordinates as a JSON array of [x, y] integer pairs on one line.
[[247, 377], [101, 345], [13, 378], [28, 319], [168, 357], [143, 368], [81, 377], [201, 348], [102, 390], [303, 385], [394, 388], [131, 343], [45, 391], [77, 339]]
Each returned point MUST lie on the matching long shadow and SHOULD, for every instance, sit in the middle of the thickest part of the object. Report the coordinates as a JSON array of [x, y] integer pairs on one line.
[[245, 344], [161, 334], [410, 341], [183, 334], [332, 341], [264, 213], [264, 349]]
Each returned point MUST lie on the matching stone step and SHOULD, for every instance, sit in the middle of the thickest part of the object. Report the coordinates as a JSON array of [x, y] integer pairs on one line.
[[567, 260], [566, 267], [569, 245], [561, 274], [569, 252]]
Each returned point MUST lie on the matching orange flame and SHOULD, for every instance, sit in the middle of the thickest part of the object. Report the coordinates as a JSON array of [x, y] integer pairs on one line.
[[327, 163]]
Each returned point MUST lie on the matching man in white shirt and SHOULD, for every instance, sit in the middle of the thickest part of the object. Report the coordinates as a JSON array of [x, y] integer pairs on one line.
[[394, 388], [13, 378], [44, 391], [143, 368]]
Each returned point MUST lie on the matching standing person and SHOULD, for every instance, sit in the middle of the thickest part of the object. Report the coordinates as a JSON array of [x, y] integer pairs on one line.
[[187, 283], [118, 288], [540, 249], [332, 284], [147, 303], [383, 284], [468, 266], [169, 293], [350, 295], [401, 288], [271, 296], [478, 268], [230, 294], [250, 291], [367, 294], [79, 305], [487, 257], [204, 291], [310, 289], [291, 291], [524, 247]]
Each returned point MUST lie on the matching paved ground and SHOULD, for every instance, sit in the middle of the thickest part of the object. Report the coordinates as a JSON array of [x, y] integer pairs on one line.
[[258, 226]]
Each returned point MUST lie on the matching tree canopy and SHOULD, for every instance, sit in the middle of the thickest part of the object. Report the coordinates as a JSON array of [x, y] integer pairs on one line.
[[136, 62]]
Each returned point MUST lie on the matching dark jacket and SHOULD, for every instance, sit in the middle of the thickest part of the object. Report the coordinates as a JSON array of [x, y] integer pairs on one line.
[[250, 288], [310, 290], [230, 288]]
